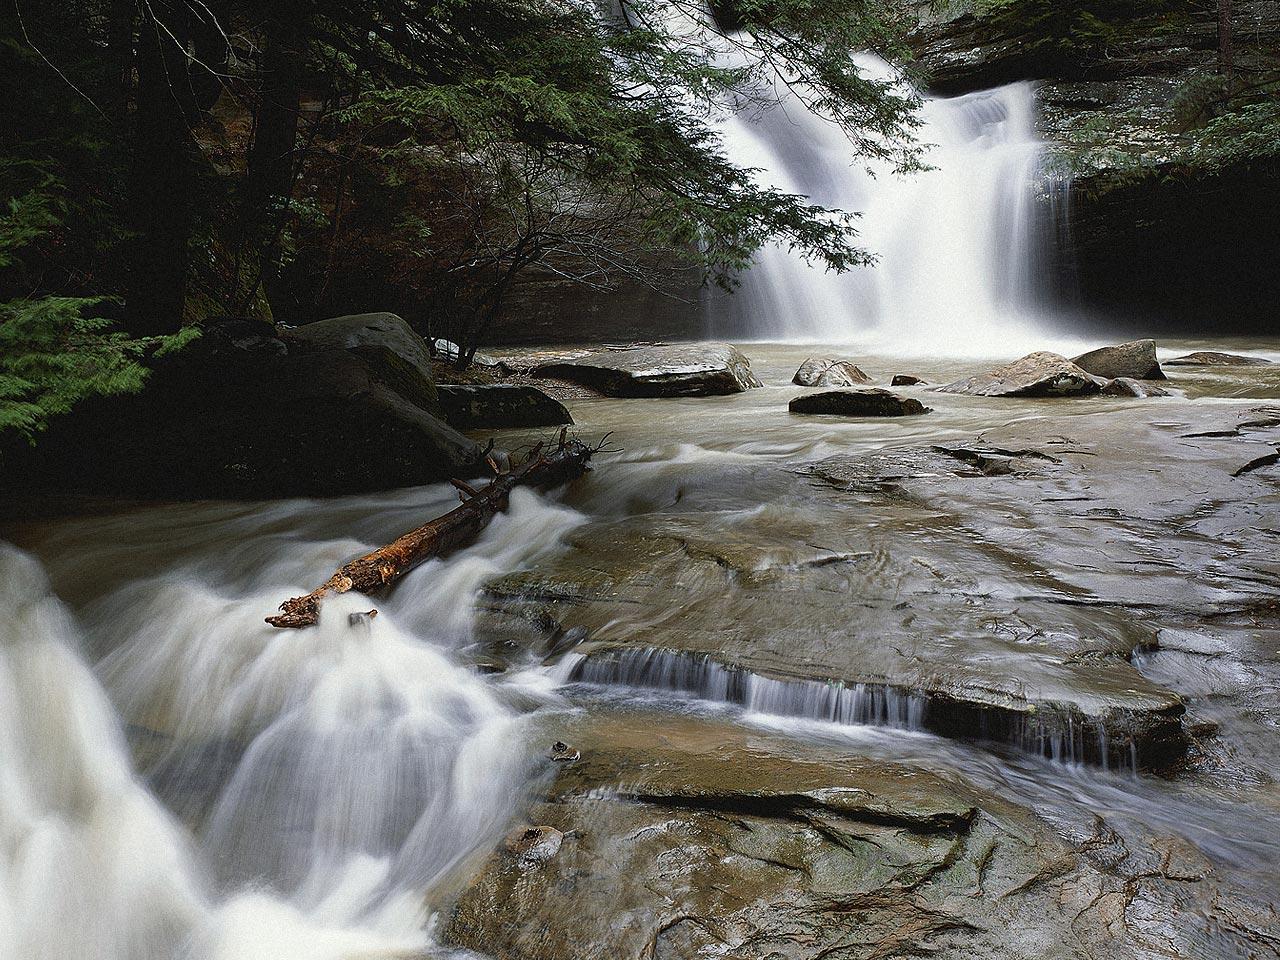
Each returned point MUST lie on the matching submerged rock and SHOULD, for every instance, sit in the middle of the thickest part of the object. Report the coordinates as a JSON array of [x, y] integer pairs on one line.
[[829, 372], [678, 370], [1135, 360], [1128, 387], [1040, 374], [471, 407], [1212, 358], [690, 838], [857, 403], [905, 380], [532, 845]]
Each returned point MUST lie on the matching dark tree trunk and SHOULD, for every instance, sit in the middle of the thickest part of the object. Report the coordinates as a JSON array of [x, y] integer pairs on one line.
[[123, 15], [164, 167], [272, 158], [1226, 52]]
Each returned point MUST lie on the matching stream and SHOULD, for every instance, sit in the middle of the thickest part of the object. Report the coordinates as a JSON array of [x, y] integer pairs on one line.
[[181, 780]]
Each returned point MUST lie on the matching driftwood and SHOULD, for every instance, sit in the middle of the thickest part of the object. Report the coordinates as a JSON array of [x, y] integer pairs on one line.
[[378, 570]]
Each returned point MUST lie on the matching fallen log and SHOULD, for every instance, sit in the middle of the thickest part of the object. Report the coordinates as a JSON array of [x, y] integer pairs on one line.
[[377, 570]]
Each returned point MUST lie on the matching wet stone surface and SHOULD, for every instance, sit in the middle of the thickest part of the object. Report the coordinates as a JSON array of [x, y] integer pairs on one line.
[[1003, 582], [678, 838]]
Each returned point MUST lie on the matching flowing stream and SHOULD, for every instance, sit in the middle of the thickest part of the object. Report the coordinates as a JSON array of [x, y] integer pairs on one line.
[[307, 789], [178, 780]]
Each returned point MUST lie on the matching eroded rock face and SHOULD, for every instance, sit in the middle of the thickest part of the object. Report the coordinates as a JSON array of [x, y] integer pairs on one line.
[[1212, 358], [829, 372], [1040, 374], [677, 370], [683, 838], [857, 403], [1128, 387], [1135, 360], [469, 407], [1112, 81]]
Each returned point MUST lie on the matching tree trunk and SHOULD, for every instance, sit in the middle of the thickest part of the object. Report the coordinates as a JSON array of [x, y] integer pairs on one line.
[[272, 158], [123, 14], [1226, 52], [164, 166], [377, 570]]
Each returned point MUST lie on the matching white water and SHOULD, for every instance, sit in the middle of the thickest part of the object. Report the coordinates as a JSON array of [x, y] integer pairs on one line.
[[309, 788], [959, 247]]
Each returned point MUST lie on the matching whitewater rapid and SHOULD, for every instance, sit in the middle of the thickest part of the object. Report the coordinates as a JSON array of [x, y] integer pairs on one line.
[[306, 790]]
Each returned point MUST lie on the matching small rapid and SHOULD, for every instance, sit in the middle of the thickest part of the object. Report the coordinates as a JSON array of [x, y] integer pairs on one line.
[[305, 791]]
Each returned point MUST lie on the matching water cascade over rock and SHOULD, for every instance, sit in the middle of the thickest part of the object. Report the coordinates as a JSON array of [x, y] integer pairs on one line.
[[959, 247]]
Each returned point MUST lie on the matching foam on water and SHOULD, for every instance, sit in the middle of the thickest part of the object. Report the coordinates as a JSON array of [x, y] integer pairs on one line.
[[309, 788]]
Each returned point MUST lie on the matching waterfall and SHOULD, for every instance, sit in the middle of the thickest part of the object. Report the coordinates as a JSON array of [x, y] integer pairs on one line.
[[960, 247]]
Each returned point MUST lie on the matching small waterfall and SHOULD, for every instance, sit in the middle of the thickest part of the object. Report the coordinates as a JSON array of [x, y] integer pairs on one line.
[[961, 248], [1061, 735]]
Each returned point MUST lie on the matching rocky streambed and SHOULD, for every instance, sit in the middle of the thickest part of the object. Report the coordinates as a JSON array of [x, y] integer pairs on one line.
[[1005, 580], [1001, 679]]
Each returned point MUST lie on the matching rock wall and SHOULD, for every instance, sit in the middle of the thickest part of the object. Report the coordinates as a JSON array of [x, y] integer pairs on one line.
[[1153, 234]]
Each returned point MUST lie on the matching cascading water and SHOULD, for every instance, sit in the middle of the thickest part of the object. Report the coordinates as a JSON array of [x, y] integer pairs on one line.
[[306, 790], [960, 247]]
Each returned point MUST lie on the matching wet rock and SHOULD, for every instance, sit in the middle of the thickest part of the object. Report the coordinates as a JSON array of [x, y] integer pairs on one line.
[[905, 380], [561, 752], [530, 845], [744, 614], [679, 370], [1128, 387], [857, 403], [999, 584], [1041, 374], [688, 838], [472, 407], [333, 407], [1135, 360], [1212, 358], [829, 372]]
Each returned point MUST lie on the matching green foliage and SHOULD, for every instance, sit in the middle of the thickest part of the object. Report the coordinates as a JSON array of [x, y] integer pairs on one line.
[[1245, 135], [54, 352], [585, 142]]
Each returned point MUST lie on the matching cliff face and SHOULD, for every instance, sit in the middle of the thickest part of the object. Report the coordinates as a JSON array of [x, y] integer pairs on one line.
[[1171, 220]]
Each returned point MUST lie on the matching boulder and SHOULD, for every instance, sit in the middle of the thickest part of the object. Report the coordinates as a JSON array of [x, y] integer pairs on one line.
[[905, 380], [829, 372], [857, 403], [1040, 374], [383, 339], [676, 370], [1128, 387], [1135, 360], [1212, 358], [329, 408], [473, 407]]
